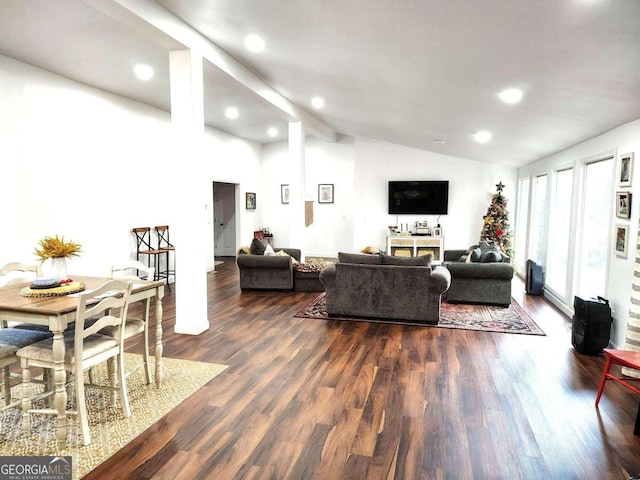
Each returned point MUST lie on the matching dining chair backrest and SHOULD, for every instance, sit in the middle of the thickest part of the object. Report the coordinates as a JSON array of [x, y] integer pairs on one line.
[[111, 310], [133, 270], [19, 270]]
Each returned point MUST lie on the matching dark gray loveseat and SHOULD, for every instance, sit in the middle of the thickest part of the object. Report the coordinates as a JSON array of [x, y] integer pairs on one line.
[[478, 282], [381, 286], [273, 272]]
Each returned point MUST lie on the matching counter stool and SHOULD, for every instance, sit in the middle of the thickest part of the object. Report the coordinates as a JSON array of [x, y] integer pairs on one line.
[[144, 247], [167, 247]]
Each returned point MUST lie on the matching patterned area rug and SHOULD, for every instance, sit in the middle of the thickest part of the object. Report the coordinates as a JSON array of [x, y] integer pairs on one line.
[[485, 318], [110, 430]]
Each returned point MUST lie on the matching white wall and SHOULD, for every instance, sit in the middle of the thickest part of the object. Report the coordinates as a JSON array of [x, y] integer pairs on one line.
[[360, 169], [88, 165], [325, 163], [471, 186], [623, 139]]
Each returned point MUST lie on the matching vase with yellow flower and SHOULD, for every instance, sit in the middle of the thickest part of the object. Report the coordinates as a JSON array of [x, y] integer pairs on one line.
[[53, 253]]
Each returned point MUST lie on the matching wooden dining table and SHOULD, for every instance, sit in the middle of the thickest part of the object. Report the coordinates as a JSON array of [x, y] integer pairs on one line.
[[58, 312]]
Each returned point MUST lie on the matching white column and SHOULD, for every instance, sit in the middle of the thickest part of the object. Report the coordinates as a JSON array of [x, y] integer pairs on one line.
[[188, 229], [297, 187]]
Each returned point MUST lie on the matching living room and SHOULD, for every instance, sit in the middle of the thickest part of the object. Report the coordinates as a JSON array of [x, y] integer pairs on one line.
[[91, 164]]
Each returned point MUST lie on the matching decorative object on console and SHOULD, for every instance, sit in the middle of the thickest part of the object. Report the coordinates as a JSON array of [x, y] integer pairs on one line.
[[496, 222], [625, 170], [325, 193]]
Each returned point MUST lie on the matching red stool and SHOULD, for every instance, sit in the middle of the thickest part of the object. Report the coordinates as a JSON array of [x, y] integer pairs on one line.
[[624, 358]]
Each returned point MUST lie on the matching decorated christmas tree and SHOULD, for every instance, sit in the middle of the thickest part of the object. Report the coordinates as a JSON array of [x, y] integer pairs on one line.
[[496, 222]]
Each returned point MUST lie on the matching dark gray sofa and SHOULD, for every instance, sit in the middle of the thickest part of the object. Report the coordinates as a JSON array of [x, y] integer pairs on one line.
[[267, 272], [477, 282], [381, 286]]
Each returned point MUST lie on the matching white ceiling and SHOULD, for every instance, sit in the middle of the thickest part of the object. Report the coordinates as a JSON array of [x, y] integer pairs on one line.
[[407, 72]]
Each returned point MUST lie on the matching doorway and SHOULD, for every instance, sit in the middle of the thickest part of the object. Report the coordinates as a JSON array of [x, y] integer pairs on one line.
[[224, 219]]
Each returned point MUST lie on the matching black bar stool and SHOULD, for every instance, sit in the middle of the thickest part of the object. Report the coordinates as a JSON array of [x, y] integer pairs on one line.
[[164, 245]]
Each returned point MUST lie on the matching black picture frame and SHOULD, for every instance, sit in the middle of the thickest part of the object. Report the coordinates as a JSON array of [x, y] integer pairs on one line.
[[325, 193], [251, 201]]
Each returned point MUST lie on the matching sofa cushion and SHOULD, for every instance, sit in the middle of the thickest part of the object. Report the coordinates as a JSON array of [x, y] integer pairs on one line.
[[268, 250], [370, 250], [491, 255], [422, 261], [359, 258], [257, 247]]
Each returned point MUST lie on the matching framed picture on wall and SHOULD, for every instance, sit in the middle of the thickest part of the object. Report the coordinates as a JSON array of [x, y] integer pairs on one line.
[[251, 201], [325, 193], [623, 204], [625, 169], [621, 240], [284, 193]]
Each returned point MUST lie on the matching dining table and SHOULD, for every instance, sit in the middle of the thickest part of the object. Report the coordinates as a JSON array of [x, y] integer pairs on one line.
[[59, 311]]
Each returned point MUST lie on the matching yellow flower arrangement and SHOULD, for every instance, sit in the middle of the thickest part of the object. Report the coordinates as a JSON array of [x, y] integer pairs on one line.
[[57, 247]]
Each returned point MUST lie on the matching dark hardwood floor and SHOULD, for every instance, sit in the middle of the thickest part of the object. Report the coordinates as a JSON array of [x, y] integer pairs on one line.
[[313, 399]]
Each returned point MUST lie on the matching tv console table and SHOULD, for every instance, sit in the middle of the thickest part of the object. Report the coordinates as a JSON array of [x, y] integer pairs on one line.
[[416, 245]]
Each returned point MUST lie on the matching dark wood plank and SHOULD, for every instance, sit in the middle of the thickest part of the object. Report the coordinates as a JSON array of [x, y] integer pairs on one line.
[[306, 399]]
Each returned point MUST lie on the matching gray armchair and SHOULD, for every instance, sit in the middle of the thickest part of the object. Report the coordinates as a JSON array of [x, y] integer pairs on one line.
[[267, 272]]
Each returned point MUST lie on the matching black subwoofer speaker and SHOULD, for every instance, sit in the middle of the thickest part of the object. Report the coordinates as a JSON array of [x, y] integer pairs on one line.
[[591, 325]]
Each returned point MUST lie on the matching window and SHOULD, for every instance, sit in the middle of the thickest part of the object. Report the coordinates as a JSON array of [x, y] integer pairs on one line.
[[560, 232], [539, 220], [596, 228], [522, 213]]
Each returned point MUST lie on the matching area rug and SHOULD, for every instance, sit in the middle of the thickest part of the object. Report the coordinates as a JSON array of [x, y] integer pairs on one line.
[[110, 430], [485, 318]]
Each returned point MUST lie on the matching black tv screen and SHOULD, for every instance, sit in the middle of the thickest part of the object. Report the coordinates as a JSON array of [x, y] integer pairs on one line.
[[419, 197]]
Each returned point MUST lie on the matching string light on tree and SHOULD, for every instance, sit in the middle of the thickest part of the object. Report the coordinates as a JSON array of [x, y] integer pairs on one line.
[[496, 226]]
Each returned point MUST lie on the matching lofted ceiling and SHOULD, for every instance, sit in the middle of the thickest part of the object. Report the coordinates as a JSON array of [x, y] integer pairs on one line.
[[409, 72]]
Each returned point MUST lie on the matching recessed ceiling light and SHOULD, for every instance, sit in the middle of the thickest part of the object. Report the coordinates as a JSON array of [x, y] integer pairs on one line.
[[317, 102], [143, 72], [482, 137], [511, 95], [232, 113], [254, 43], [273, 132]]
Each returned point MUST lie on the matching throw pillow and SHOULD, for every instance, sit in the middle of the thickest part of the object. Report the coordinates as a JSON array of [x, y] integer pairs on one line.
[[370, 250], [476, 254], [268, 250], [257, 247], [422, 261], [467, 255], [359, 258], [282, 253], [492, 255]]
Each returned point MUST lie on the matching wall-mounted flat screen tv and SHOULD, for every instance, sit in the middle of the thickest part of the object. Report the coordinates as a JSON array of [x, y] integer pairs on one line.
[[419, 197]]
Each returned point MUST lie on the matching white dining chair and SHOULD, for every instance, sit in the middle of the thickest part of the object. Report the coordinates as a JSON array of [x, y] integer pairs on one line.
[[84, 349], [135, 271]]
